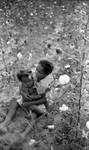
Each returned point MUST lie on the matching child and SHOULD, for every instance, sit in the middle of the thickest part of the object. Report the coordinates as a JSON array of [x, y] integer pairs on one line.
[[28, 90]]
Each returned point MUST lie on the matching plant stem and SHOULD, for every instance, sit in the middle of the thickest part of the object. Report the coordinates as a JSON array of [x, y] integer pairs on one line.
[[81, 79]]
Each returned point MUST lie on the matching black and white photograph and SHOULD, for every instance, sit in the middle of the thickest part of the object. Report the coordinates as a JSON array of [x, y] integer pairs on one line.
[[44, 74]]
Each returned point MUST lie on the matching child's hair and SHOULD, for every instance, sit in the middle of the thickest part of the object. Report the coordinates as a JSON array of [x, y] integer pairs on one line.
[[47, 66]]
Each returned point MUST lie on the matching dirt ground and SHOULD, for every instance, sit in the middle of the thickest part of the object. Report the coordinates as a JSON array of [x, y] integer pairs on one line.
[[58, 31]]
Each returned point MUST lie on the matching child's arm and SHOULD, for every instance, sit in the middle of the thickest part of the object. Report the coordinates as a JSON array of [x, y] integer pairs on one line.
[[35, 97]]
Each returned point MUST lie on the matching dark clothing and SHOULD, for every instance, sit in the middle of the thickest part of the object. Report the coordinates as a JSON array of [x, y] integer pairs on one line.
[[28, 88], [31, 98]]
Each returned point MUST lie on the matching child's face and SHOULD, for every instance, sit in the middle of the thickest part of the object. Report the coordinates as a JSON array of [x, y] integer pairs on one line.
[[25, 79], [39, 74]]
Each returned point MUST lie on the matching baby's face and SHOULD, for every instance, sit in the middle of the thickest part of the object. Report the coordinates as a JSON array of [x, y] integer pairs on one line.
[[25, 79]]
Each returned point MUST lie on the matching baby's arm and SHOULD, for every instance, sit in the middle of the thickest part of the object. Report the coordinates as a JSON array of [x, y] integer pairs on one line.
[[37, 102]]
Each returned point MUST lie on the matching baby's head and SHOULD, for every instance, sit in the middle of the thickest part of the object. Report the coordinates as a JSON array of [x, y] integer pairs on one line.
[[23, 75]]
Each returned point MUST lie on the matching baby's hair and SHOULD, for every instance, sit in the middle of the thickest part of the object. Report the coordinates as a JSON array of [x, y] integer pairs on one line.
[[21, 74], [47, 66]]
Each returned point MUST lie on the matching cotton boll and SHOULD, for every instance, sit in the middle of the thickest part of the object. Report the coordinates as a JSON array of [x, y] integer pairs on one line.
[[87, 124], [50, 102], [8, 42], [84, 4], [46, 28], [31, 14], [87, 62], [42, 108], [64, 108], [30, 56], [85, 134], [67, 66], [64, 79], [32, 141], [0, 77], [19, 55], [51, 126]]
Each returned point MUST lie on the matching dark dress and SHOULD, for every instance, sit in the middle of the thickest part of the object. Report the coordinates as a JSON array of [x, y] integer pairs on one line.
[[29, 88]]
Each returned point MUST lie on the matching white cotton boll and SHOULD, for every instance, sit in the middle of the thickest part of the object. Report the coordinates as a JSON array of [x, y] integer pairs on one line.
[[46, 28], [32, 141], [42, 108], [85, 4], [4, 73], [67, 66], [85, 134], [8, 42], [87, 62], [51, 126], [64, 79], [31, 14], [19, 55], [87, 124], [64, 108], [30, 56], [82, 30]]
